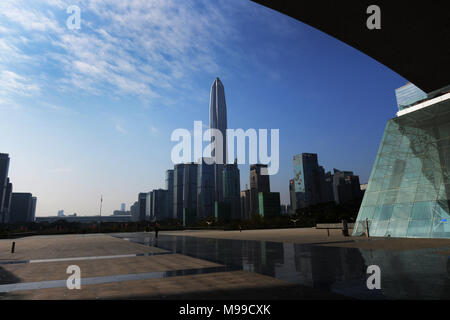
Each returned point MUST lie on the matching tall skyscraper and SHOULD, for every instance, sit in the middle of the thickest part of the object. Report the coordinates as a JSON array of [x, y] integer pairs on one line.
[[218, 120], [178, 183], [149, 206], [346, 186], [4, 167], [123, 207], [311, 184], [170, 192], [7, 202], [142, 206], [32, 213], [134, 210], [292, 195], [232, 189], [190, 193], [245, 204], [205, 190], [258, 183], [160, 204], [408, 95]]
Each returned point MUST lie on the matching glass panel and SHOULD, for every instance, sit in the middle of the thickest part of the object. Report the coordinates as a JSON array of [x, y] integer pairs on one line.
[[422, 210], [398, 228], [401, 212], [419, 228]]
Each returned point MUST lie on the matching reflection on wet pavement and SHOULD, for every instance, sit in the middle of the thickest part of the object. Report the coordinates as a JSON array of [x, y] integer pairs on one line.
[[107, 279], [408, 274]]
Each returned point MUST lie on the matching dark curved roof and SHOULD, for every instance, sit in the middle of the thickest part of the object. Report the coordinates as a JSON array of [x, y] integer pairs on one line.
[[414, 39]]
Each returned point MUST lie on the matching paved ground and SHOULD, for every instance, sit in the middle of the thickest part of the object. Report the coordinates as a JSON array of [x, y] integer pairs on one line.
[[115, 268], [48, 247], [43, 260]]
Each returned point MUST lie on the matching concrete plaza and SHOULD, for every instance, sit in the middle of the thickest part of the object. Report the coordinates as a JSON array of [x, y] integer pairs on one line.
[[252, 264]]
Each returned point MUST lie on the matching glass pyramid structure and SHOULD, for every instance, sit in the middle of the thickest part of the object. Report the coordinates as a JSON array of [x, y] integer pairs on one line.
[[408, 194]]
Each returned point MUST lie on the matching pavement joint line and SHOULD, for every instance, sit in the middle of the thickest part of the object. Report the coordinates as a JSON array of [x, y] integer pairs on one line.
[[85, 258], [110, 279]]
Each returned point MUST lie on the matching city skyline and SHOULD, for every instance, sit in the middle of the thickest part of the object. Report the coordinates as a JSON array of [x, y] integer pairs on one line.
[[84, 117]]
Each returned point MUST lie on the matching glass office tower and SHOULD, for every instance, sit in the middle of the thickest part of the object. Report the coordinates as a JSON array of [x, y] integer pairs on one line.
[[408, 95], [408, 194]]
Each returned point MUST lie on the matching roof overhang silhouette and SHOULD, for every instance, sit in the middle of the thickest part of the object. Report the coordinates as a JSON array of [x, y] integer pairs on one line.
[[414, 39]]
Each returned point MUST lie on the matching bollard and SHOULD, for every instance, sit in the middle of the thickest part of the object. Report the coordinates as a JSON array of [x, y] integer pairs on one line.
[[367, 228], [345, 228], [13, 247]]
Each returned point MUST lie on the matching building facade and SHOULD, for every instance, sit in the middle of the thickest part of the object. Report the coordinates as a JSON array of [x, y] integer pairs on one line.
[[232, 190], [218, 120], [258, 183], [190, 193], [142, 206], [269, 204], [4, 168], [245, 204], [408, 194], [205, 190], [22, 208], [160, 204], [346, 187], [149, 206], [170, 192], [178, 191]]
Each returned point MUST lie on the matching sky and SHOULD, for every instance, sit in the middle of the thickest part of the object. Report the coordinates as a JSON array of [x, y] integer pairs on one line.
[[89, 112]]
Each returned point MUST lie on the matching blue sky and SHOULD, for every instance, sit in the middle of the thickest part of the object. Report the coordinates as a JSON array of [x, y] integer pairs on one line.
[[89, 112]]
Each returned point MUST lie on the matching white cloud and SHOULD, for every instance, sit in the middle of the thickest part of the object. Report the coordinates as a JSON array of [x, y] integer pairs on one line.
[[144, 48], [13, 83], [120, 129]]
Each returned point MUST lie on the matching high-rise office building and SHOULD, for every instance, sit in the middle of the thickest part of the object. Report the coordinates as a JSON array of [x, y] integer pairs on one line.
[[4, 167], [178, 183], [160, 204], [292, 195], [218, 120], [258, 183], [205, 189], [408, 194], [142, 206], [134, 211], [311, 184], [346, 186], [4, 218], [21, 207], [269, 204], [190, 193], [149, 206], [32, 213], [307, 183], [170, 192], [123, 207], [408, 95], [245, 204], [232, 189]]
